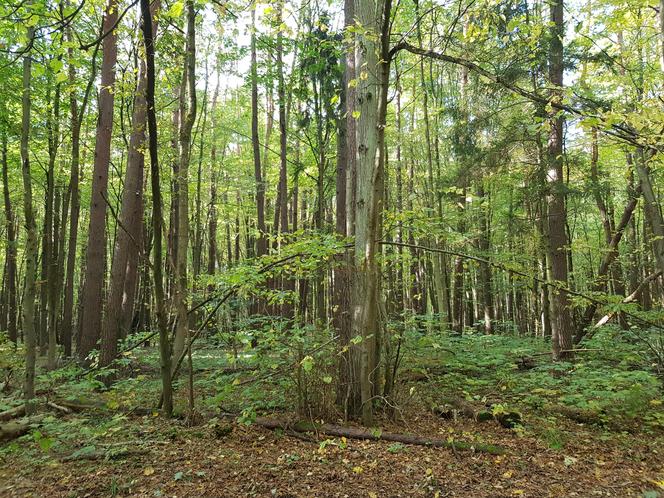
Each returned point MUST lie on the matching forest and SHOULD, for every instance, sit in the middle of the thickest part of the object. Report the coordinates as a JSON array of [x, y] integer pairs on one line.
[[351, 248]]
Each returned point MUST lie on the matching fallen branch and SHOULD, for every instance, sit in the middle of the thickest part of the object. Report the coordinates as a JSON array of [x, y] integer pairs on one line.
[[105, 455], [376, 435], [629, 299], [59, 408], [17, 411], [12, 430]]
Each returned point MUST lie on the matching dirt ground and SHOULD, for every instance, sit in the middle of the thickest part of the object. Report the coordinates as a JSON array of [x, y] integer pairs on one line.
[[172, 460]]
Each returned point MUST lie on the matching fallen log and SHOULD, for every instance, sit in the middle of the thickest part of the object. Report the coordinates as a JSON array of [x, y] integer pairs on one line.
[[376, 435], [59, 408], [105, 455], [17, 411], [73, 406], [12, 430], [454, 408], [588, 417]]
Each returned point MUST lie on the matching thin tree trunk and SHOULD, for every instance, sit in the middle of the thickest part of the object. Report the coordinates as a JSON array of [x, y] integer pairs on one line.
[[157, 208], [183, 182], [10, 250], [261, 247], [31, 246]]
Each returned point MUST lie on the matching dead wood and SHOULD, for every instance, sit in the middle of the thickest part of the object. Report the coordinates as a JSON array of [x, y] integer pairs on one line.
[[455, 408], [105, 455], [375, 435], [59, 408], [17, 411], [12, 430]]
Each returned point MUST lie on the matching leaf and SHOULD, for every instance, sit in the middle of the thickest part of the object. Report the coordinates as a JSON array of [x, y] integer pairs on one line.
[[45, 443], [176, 9], [178, 476], [307, 363], [356, 114], [358, 469], [569, 461], [148, 471], [327, 379]]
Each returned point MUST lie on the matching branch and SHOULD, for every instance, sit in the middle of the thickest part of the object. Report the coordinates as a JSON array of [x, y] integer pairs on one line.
[[618, 131]]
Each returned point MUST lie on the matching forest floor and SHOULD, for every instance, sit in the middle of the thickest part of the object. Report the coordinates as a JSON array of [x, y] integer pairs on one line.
[[113, 451]]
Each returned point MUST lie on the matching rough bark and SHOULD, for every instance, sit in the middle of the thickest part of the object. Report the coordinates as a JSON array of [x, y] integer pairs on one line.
[[261, 246], [561, 318], [370, 103], [96, 244], [31, 246], [377, 435], [127, 248], [157, 209], [183, 182], [10, 250]]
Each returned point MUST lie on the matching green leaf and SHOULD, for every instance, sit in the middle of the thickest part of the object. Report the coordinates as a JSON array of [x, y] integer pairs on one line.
[[307, 363], [176, 9]]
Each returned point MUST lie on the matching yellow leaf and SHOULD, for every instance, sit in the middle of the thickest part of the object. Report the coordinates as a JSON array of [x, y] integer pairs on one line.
[[655, 402], [508, 474], [148, 471], [358, 469], [372, 494], [517, 492]]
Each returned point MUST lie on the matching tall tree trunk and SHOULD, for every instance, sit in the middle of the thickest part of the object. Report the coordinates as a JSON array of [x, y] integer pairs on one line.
[[157, 208], [371, 102], [10, 250], [561, 317], [95, 252], [75, 201], [261, 247], [341, 273], [127, 248], [31, 246], [212, 222], [183, 182], [485, 284]]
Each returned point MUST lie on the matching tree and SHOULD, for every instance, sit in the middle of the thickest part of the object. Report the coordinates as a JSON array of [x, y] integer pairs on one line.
[[31, 246], [561, 320], [92, 308]]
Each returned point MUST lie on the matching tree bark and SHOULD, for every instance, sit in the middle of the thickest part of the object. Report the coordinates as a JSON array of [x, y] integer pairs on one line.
[[10, 250], [261, 246], [561, 318], [127, 248], [95, 253], [370, 108], [183, 182], [157, 208], [31, 246]]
